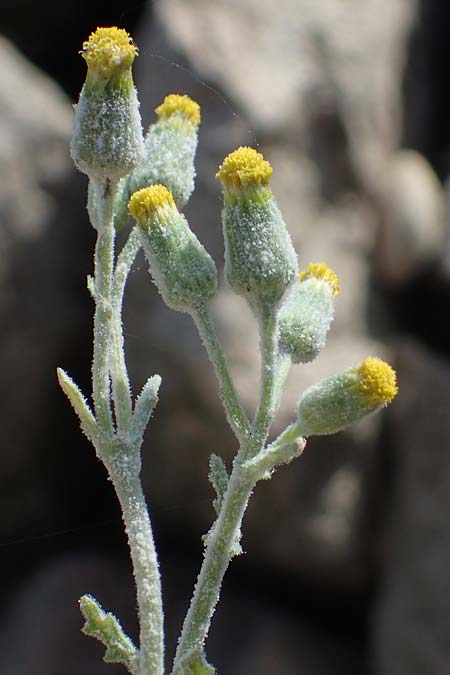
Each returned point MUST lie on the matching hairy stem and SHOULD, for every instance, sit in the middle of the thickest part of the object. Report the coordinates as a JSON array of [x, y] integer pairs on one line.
[[232, 405], [218, 554], [222, 539], [143, 555], [119, 373], [267, 403], [104, 262]]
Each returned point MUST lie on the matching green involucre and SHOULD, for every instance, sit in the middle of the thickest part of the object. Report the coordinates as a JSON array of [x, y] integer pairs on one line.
[[107, 136], [260, 261], [305, 320], [169, 153], [183, 271], [332, 404]]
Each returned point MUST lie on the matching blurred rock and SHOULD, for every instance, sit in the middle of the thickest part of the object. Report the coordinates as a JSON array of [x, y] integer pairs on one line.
[[411, 622], [35, 124], [413, 230], [43, 624], [289, 65], [51, 34], [279, 642], [41, 302]]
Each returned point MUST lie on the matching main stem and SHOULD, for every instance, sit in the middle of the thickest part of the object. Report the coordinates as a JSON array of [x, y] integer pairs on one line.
[[145, 565], [226, 529], [121, 460]]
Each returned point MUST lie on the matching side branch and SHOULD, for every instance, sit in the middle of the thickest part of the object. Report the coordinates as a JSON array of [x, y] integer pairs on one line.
[[236, 417]]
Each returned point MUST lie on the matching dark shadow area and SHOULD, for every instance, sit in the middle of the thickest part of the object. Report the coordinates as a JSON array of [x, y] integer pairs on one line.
[[419, 308], [426, 93], [51, 34]]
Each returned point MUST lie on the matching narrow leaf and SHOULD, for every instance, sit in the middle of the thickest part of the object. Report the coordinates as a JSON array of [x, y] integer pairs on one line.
[[194, 663], [87, 420], [90, 283], [104, 626], [218, 477], [145, 404], [274, 455]]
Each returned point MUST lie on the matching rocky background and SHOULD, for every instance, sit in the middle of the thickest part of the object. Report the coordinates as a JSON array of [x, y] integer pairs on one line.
[[347, 550]]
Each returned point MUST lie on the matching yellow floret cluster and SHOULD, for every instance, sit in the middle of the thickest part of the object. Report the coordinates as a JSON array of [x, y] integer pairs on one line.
[[378, 381], [109, 49], [244, 168], [146, 202], [321, 271], [182, 104]]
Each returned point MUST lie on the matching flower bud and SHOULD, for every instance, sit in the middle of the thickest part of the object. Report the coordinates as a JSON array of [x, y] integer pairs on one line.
[[307, 313], [169, 153], [260, 261], [337, 401], [107, 138], [182, 270]]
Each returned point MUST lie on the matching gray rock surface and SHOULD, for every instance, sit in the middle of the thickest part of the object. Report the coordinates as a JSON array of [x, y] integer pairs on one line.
[[43, 630], [290, 64], [43, 635], [40, 254], [411, 622], [413, 229]]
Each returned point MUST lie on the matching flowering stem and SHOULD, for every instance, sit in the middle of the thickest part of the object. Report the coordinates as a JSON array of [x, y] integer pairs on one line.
[[217, 558], [119, 374], [269, 361], [225, 532], [235, 414], [104, 262]]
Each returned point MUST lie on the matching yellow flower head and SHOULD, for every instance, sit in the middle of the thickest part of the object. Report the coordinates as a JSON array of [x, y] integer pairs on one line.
[[109, 50], [245, 168], [148, 201], [377, 381], [321, 271], [181, 104]]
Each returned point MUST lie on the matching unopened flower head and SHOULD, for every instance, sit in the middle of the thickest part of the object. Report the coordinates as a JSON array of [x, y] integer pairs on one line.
[[377, 381], [337, 401], [260, 261], [180, 105], [244, 171], [169, 154], [150, 202], [321, 272], [306, 315], [109, 53], [182, 270], [107, 140]]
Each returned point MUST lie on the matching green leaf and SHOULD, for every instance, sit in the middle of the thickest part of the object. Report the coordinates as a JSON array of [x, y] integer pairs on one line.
[[145, 404], [218, 477], [195, 663], [90, 283], [282, 451], [105, 627], [87, 420]]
